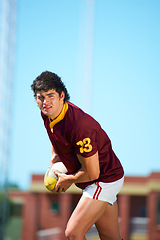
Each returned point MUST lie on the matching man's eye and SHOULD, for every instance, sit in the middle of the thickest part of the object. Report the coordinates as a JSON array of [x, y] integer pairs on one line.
[[51, 96], [41, 98]]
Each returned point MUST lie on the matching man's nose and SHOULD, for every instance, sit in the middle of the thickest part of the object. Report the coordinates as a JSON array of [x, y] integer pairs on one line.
[[45, 100]]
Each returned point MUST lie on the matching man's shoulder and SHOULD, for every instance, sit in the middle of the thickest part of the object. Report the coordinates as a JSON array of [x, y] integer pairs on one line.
[[79, 117], [75, 113], [71, 105]]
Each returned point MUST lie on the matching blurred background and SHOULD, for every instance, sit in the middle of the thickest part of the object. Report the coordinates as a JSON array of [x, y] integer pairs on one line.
[[108, 55]]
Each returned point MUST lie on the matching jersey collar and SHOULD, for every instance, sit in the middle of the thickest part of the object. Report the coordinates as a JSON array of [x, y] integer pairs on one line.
[[60, 117]]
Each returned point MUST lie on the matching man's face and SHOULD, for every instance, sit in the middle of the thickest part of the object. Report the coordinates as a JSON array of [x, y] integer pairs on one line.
[[50, 102]]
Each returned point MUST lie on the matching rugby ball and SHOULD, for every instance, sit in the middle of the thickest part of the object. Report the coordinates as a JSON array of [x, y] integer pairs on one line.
[[50, 179]]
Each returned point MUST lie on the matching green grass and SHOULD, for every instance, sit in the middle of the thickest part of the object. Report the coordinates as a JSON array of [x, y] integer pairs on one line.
[[13, 231]]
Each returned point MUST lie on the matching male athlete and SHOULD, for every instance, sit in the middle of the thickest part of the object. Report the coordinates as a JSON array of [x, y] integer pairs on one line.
[[85, 149]]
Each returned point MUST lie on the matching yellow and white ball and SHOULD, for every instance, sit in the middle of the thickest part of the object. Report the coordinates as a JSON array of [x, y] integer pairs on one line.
[[50, 179]]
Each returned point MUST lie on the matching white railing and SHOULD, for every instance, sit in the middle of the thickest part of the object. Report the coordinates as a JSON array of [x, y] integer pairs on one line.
[[49, 234], [138, 225]]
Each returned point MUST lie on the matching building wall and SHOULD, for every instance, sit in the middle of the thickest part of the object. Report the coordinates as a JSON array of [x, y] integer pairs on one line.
[[139, 212]]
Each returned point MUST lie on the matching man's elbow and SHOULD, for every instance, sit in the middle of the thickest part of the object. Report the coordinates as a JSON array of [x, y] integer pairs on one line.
[[94, 175]]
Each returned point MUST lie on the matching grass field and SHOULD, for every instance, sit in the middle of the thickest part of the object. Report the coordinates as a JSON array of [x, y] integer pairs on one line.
[[13, 231]]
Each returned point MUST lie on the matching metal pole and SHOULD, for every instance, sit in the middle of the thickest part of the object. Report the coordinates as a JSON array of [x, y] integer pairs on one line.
[[6, 77]]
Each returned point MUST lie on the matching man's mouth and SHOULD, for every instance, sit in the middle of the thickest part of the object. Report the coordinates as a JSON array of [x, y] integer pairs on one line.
[[46, 107]]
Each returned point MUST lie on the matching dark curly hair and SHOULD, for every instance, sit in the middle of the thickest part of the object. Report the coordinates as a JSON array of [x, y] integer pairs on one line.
[[47, 81]]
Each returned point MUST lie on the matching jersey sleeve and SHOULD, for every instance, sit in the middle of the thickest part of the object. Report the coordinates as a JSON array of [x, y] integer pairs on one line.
[[84, 137]]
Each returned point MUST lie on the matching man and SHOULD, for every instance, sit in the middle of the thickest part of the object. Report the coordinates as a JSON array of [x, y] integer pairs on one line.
[[85, 149]]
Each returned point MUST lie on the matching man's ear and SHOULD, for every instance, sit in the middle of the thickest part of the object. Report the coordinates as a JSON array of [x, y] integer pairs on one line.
[[62, 95]]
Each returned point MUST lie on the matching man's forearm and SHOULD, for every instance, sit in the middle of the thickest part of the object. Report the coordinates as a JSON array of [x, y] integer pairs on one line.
[[80, 176]]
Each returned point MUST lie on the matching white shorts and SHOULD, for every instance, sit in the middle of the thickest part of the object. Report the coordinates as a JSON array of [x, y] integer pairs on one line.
[[104, 191]]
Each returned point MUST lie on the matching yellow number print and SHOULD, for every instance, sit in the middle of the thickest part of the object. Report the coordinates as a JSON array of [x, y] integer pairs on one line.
[[85, 145]]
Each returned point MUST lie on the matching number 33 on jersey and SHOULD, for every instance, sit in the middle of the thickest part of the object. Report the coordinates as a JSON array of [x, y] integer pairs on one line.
[[85, 145]]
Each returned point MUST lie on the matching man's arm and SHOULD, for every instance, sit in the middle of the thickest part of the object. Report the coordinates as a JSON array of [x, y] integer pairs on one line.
[[89, 171], [54, 157]]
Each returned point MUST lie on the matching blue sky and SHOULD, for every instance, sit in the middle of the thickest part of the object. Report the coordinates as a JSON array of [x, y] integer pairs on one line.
[[111, 72]]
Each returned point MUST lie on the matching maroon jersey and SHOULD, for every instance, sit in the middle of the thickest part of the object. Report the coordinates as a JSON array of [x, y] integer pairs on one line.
[[75, 132]]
